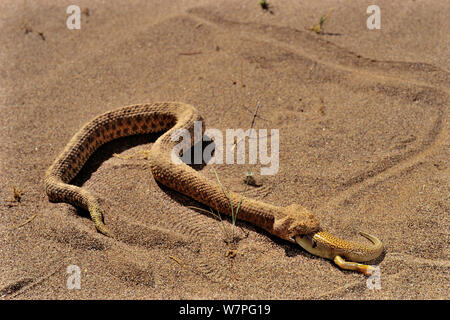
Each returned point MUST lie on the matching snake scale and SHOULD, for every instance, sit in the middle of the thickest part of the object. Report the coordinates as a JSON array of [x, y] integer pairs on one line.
[[293, 223]]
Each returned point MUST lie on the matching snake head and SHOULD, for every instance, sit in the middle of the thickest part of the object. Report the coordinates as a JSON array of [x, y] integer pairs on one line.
[[294, 220]]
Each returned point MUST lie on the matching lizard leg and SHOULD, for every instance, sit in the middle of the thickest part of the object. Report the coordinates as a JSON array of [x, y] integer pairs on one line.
[[354, 266]]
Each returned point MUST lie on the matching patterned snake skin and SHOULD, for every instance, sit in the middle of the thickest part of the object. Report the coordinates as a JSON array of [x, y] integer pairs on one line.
[[283, 222]]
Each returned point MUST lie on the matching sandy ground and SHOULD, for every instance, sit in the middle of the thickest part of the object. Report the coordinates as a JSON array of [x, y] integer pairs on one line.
[[364, 144]]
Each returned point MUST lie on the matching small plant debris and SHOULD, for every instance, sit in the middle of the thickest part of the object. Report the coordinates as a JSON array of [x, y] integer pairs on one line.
[[17, 194], [86, 12], [28, 29], [16, 198], [318, 28], [264, 5], [41, 34]]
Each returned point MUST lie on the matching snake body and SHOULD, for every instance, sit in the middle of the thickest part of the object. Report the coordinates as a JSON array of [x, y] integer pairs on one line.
[[288, 223]]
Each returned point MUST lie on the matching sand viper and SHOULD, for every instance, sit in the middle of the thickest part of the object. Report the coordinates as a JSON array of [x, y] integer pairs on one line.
[[293, 223]]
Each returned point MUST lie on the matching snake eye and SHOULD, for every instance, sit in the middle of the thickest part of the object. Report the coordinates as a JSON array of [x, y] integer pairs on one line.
[[314, 243]]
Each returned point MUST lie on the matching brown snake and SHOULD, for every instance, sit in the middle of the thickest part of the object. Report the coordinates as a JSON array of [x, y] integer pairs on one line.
[[293, 223]]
